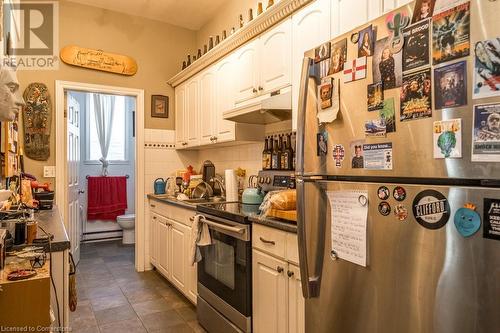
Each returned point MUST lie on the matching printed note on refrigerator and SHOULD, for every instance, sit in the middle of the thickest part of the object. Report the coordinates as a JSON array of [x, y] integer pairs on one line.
[[349, 213]]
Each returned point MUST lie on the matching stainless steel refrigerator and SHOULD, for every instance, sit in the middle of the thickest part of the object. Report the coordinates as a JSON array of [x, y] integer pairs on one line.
[[421, 273]]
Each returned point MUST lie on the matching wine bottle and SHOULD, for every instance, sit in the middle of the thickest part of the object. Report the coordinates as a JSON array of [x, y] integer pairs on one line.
[[276, 156], [266, 157], [282, 152]]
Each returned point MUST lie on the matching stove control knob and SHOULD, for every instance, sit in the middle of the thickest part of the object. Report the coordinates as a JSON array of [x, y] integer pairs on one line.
[[268, 180], [261, 180]]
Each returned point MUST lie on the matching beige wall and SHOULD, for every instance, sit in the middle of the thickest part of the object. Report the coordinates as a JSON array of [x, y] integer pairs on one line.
[[157, 47], [227, 17]]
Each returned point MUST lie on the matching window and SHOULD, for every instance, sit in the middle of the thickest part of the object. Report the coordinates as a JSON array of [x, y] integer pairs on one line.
[[118, 144]]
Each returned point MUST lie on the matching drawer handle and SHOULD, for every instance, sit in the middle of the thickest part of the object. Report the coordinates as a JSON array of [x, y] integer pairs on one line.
[[289, 273], [279, 269], [267, 241], [153, 206]]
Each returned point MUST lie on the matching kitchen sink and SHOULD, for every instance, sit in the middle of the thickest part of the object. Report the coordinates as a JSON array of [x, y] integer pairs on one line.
[[203, 200]]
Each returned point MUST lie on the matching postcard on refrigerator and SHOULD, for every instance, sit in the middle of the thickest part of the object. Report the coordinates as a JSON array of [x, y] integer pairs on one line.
[[487, 68], [375, 128], [416, 96], [322, 52], [450, 85], [448, 138], [416, 52], [366, 41], [349, 217], [486, 133], [423, 10], [386, 65], [378, 156], [375, 96], [451, 34], [328, 100], [338, 56], [443, 5], [388, 115], [357, 154]]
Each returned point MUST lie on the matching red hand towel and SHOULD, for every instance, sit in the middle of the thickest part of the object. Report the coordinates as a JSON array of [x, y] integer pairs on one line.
[[107, 198]]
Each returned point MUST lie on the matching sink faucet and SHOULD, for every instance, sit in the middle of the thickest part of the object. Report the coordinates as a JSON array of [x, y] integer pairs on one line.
[[218, 180]]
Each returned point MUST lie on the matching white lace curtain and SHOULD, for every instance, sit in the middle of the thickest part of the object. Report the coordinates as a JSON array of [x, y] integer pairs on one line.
[[104, 106]]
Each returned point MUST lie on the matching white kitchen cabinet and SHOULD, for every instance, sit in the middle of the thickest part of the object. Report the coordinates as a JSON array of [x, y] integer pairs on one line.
[[153, 239], [247, 71], [296, 302], [393, 4], [180, 116], [350, 14], [224, 96], [164, 246], [180, 238], [276, 57], [310, 27], [207, 106], [192, 112], [192, 273], [269, 294], [278, 304], [264, 64]]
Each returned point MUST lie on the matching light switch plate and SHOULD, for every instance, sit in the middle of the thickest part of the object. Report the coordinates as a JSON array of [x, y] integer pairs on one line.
[[49, 171]]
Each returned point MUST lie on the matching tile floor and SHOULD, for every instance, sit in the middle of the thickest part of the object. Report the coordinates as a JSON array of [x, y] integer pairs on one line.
[[113, 297]]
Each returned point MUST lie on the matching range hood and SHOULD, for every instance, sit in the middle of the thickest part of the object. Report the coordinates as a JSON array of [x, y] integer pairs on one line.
[[265, 109]]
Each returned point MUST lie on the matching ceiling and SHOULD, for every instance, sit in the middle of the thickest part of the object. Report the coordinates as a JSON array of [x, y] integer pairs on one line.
[[190, 14]]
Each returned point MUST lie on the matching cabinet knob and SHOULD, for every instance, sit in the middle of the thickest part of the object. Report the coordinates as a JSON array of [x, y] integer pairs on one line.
[[153, 206], [215, 138], [154, 217], [289, 273], [279, 269], [261, 88], [254, 90]]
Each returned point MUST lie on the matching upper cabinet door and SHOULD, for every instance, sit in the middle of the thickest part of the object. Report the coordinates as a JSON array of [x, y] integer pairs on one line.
[[207, 106], [247, 71], [393, 4], [180, 114], [276, 57], [310, 27], [349, 14], [192, 109], [224, 91]]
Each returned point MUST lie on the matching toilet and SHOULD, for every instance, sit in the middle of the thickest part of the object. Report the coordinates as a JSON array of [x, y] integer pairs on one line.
[[127, 223]]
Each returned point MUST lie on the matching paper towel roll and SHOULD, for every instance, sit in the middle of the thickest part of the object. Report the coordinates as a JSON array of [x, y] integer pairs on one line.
[[231, 185]]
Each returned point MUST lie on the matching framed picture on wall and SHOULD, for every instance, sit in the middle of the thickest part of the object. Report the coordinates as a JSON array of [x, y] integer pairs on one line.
[[159, 106]]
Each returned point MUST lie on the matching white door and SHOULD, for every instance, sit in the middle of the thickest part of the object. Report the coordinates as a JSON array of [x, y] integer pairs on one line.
[[73, 175], [275, 53], [296, 306], [180, 115], [207, 107], [247, 71], [310, 28], [224, 95], [269, 294], [192, 106], [350, 14], [164, 246], [180, 237]]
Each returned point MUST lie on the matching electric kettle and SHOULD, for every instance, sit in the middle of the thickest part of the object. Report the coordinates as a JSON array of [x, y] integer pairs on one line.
[[159, 186]]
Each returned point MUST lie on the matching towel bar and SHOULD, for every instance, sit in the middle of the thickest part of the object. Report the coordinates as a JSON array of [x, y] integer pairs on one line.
[[126, 176]]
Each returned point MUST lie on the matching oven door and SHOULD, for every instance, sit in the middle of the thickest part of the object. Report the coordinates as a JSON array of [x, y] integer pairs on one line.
[[226, 265]]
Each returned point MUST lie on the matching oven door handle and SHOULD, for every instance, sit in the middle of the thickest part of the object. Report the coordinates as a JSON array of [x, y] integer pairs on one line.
[[223, 227]]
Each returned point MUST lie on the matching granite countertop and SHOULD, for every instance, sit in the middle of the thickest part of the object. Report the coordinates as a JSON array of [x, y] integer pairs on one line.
[[288, 226], [171, 201]]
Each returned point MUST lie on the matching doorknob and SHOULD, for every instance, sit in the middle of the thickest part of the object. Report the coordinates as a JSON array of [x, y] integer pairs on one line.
[[81, 191]]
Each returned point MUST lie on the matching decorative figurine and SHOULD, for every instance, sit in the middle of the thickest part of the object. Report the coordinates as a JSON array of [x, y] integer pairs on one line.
[[241, 21], [250, 14], [184, 65], [189, 60], [199, 54], [270, 3], [205, 49], [233, 30], [224, 34], [217, 40], [210, 43]]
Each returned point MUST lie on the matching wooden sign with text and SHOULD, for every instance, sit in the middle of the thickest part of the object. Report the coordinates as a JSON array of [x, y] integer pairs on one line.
[[98, 60]]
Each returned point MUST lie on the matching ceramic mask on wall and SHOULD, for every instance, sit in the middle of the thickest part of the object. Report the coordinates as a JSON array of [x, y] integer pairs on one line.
[[11, 100]]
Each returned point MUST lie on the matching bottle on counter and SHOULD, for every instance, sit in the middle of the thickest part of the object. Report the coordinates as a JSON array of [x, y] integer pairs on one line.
[[281, 148], [275, 156], [287, 155], [266, 157]]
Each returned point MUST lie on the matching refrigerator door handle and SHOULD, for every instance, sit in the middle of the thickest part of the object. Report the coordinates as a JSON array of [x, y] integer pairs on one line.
[[310, 284], [309, 70]]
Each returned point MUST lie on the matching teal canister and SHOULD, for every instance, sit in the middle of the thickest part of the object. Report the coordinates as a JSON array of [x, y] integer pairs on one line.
[[159, 186]]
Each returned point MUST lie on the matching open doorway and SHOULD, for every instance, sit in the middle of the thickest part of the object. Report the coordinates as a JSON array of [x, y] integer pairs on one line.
[[101, 167], [101, 156]]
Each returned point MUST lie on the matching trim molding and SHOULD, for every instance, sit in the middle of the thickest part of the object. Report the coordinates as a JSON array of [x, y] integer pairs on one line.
[[277, 13]]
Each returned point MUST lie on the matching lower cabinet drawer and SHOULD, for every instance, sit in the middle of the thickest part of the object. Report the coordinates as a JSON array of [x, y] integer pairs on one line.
[[269, 240]]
